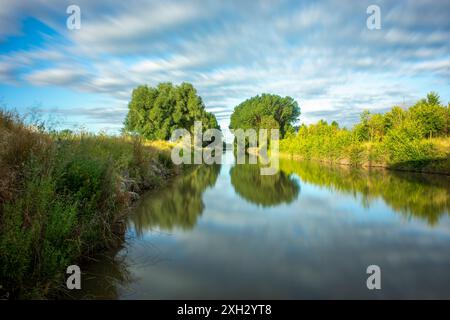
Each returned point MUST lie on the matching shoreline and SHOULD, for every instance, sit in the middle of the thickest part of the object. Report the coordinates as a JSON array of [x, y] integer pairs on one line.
[[65, 198], [364, 165]]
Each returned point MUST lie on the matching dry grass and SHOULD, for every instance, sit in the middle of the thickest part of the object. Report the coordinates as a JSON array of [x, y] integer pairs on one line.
[[159, 144], [442, 145], [62, 196], [18, 143]]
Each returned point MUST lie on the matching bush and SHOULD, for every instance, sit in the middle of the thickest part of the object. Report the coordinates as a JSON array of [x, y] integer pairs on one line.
[[404, 144], [399, 138], [61, 199]]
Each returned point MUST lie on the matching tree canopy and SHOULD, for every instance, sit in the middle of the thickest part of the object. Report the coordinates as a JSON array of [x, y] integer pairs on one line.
[[426, 118], [155, 113], [266, 111]]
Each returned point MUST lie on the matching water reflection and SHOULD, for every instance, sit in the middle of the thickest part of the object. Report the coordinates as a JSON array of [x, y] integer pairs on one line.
[[105, 277], [237, 234], [422, 196], [267, 190], [176, 206]]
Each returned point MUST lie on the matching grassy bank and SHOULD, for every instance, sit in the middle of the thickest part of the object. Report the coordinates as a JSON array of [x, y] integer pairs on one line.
[[436, 158], [414, 139], [63, 197]]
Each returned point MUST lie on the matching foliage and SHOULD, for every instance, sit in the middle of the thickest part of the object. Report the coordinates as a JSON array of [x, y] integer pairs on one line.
[[266, 111], [432, 116], [399, 138], [154, 113], [61, 198], [319, 141]]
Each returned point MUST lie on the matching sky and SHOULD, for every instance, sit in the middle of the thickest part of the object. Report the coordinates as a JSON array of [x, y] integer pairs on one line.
[[321, 53]]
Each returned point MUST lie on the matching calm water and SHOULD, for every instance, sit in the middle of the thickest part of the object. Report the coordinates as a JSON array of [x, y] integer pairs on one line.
[[308, 232]]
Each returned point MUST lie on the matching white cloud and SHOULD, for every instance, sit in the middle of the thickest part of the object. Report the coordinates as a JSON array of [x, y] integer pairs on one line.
[[320, 54], [7, 73], [129, 30], [57, 76]]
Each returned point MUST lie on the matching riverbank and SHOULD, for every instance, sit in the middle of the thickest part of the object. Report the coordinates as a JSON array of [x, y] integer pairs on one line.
[[307, 213], [64, 197], [379, 155], [412, 139]]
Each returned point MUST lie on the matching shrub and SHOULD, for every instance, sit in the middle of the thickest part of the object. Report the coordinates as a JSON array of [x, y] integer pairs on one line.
[[396, 138], [60, 199], [404, 145]]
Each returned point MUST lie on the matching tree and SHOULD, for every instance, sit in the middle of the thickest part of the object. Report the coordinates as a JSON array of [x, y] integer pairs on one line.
[[372, 127], [394, 118], [431, 115], [376, 127], [263, 110], [433, 99], [362, 128], [155, 113]]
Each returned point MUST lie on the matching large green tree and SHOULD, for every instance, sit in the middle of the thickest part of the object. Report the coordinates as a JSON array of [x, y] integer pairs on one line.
[[155, 113], [266, 111]]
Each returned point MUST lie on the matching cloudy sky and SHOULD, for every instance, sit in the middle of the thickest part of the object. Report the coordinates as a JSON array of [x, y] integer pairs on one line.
[[320, 53]]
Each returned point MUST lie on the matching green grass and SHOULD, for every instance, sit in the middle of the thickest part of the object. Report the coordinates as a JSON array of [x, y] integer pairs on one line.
[[61, 197], [395, 152]]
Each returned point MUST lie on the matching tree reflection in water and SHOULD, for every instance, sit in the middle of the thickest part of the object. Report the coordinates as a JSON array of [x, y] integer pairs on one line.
[[414, 195], [264, 190], [177, 205]]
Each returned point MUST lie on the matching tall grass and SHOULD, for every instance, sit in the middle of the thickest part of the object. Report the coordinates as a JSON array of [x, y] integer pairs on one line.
[[62, 196]]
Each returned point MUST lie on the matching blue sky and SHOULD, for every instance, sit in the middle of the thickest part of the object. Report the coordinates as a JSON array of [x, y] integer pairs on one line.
[[320, 53]]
